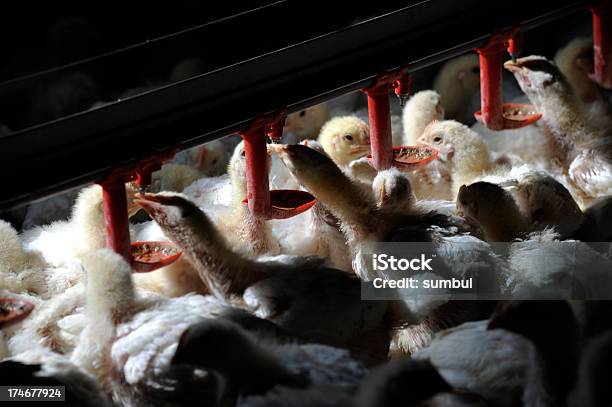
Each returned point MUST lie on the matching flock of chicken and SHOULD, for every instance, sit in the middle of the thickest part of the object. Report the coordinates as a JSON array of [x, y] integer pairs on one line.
[[263, 312]]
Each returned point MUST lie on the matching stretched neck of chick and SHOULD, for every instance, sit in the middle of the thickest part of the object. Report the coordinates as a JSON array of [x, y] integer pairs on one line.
[[563, 113], [88, 219], [349, 202], [110, 300], [110, 290], [224, 271]]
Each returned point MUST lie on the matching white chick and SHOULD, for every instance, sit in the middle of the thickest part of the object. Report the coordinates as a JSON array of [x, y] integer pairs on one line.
[[575, 61], [583, 151], [420, 110], [460, 149], [247, 232]]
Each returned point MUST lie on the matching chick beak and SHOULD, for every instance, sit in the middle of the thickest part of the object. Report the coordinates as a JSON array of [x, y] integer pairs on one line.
[[150, 203], [280, 149], [382, 197], [512, 65], [360, 149]]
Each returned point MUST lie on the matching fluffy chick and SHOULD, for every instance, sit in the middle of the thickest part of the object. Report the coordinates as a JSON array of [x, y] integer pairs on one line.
[[305, 124], [392, 191], [247, 232], [576, 145], [575, 61], [465, 154], [494, 209], [345, 139], [422, 108], [456, 82], [534, 201]]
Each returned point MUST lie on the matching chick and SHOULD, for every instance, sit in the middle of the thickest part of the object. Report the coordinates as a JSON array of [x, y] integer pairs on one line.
[[494, 209], [305, 124], [462, 151], [576, 145], [422, 108], [392, 191], [345, 139], [456, 82], [575, 61], [546, 203], [246, 231], [210, 159], [534, 201], [173, 177], [254, 367]]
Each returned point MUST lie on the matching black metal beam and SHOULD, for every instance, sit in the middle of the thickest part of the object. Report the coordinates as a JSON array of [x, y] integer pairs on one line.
[[83, 147]]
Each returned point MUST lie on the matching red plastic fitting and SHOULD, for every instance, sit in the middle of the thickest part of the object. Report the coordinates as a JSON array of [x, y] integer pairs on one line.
[[491, 57], [258, 188], [114, 200], [495, 114], [402, 88], [380, 125], [115, 216], [275, 125], [379, 114], [515, 43], [144, 168], [602, 43]]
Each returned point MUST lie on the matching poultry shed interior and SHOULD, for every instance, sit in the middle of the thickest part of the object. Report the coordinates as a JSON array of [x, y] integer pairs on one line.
[[288, 203]]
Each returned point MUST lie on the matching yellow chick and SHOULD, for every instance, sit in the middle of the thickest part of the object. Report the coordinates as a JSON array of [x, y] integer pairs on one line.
[[305, 124], [345, 139]]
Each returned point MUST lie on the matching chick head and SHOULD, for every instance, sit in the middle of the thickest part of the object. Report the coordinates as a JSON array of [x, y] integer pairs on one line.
[[457, 144], [237, 167], [457, 80], [537, 77], [547, 203], [492, 207], [422, 108], [392, 190], [173, 212], [345, 139], [307, 122], [575, 61], [428, 101], [212, 158], [463, 70]]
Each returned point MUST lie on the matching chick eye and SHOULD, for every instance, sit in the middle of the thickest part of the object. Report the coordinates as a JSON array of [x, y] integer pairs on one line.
[[437, 139], [348, 137], [243, 153], [303, 113]]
